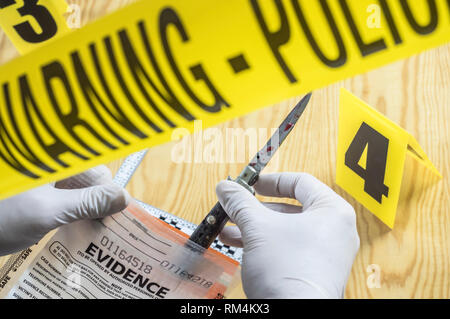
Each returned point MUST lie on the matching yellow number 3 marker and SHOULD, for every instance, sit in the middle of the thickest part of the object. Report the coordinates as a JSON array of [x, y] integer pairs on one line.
[[30, 23], [371, 156]]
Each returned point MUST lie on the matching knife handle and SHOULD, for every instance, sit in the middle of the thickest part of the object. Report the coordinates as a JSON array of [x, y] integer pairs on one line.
[[210, 227]]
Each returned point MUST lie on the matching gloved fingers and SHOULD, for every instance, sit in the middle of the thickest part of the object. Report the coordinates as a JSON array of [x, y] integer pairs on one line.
[[95, 176], [283, 207], [92, 202], [240, 205], [231, 236], [302, 186]]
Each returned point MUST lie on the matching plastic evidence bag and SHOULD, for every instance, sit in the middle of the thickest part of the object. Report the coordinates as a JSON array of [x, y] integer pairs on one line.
[[130, 254]]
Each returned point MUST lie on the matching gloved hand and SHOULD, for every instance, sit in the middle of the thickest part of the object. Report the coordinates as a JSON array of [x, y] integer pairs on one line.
[[27, 217], [291, 251]]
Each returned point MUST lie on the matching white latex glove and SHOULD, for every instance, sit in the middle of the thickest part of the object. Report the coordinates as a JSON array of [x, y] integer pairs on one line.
[[27, 217], [291, 251]]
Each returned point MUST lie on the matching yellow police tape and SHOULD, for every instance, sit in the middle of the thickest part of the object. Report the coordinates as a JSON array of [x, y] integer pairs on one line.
[[124, 82]]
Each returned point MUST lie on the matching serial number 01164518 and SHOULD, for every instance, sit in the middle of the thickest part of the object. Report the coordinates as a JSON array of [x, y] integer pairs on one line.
[[123, 255]]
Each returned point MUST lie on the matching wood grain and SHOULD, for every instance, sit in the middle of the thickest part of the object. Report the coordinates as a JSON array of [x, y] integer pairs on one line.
[[414, 257]]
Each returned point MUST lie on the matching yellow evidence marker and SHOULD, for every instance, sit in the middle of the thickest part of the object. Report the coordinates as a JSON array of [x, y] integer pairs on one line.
[[371, 155], [31, 23]]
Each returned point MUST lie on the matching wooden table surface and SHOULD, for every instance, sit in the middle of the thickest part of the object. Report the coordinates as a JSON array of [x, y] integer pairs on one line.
[[413, 259]]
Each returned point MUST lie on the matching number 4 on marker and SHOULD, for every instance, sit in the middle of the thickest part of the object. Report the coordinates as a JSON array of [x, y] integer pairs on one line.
[[371, 151], [369, 142]]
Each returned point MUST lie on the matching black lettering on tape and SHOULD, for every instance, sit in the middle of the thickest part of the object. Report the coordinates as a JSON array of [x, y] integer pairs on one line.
[[200, 75], [7, 155], [373, 173], [278, 38], [90, 93], [167, 18], [390, 21], [6, 3], [103, 103], [136, 68], [364, 48], [238, 63], [342, 56], [7, 144], [140, 75], [117, 112], [421, 29], [171, 99], [26, 152], [124, 87], [52, 72], [54, 150]]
